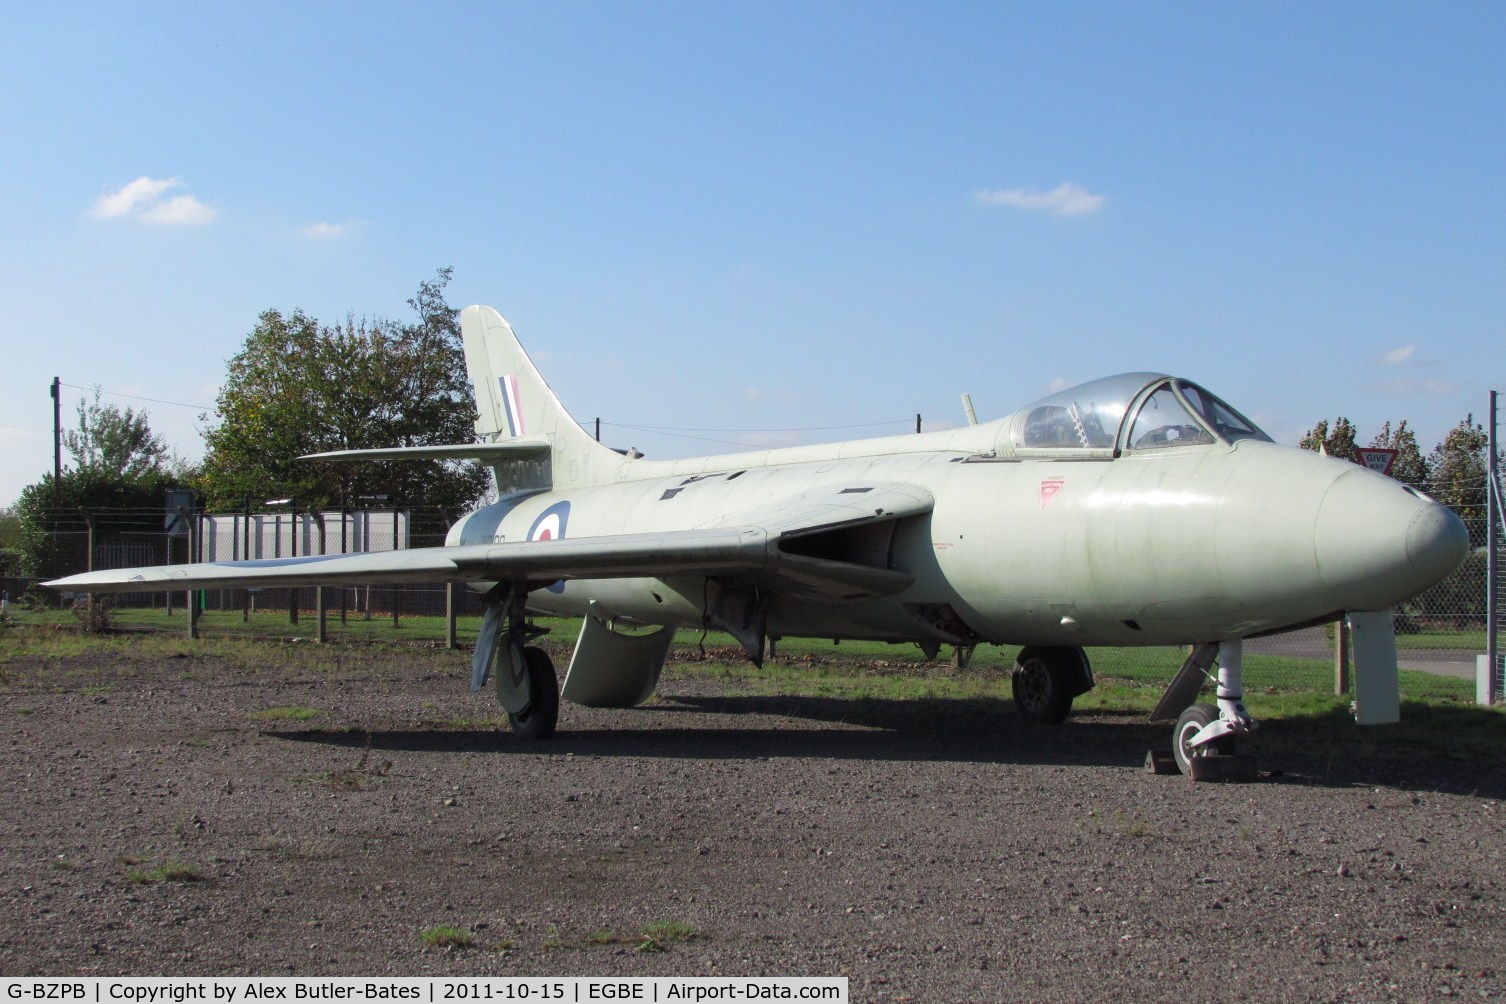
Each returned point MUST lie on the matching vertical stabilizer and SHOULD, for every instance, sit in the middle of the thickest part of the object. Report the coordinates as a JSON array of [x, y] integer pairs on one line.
[[514, 402]]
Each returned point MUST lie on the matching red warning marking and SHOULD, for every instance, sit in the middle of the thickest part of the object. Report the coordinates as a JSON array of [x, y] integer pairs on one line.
[[1049, 488]]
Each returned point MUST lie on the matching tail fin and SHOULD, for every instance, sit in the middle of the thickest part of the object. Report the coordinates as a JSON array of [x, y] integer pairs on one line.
[[513, 402]]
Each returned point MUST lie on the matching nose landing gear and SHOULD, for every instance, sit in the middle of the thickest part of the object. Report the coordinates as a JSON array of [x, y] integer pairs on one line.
[[1205, 740]]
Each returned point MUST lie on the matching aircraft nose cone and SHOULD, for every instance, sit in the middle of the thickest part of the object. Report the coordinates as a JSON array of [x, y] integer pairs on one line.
[[1379, 544], [1437, 540]]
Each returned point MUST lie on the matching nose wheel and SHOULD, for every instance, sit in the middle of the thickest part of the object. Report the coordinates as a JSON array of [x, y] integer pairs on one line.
[[1205, 737], [1193, 721]]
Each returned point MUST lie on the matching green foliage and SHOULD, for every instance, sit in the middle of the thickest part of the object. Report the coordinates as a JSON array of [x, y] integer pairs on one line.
[[119, 486], [10, 542], [54, 537], [93, 613], [1409, 467], [1459, 469], [1336, 442], [300, 387], [115, 443], [446, 936], [174, 871]]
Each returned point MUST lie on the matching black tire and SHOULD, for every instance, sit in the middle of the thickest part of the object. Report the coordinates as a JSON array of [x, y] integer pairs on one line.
[[1190, 724], [537, 721], [1044, 681]]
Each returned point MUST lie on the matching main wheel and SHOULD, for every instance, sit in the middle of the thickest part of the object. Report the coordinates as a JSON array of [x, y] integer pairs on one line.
[[537, 721], [1190, 724], [1044, 683]]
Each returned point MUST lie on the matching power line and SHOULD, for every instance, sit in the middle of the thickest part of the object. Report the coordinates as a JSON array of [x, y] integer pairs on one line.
[[686, 434], [863, 425], [138, 397]]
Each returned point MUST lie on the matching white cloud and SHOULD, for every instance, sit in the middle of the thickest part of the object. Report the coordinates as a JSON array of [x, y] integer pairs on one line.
[[1056, 384], [179, 211], [12, 436], [143, 200], [1397, 356], [1064, 200], [322, 231]]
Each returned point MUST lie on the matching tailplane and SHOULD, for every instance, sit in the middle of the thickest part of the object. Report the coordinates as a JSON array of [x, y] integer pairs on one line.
[[514, 403]]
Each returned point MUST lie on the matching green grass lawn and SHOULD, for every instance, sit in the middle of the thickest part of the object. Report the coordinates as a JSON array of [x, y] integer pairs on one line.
[[1128, 678], [1438, 711]]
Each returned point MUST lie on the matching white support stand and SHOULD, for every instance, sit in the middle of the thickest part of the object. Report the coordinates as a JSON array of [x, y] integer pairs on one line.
[[1377, 688]]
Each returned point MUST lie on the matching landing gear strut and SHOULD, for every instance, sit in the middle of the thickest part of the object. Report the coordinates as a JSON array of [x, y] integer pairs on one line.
[[524, 678], [1204, 741]]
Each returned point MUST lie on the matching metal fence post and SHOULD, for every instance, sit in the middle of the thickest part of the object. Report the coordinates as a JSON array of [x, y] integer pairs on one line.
[[319, 610], [1495, 528], [188, 597]]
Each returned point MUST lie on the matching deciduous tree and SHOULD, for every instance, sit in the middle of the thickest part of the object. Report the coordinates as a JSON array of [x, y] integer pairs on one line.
[[299, 387], [1337, 442], [115, 442], [1458, 466], [1409, 467]]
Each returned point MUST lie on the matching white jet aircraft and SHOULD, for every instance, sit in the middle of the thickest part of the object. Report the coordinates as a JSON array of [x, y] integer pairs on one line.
[[1134, 510]]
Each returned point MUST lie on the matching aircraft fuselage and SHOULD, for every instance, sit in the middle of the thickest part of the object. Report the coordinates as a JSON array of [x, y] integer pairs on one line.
[[1151, 547]]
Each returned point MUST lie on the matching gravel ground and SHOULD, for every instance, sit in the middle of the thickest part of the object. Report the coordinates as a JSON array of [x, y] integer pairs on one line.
[[157, 822]]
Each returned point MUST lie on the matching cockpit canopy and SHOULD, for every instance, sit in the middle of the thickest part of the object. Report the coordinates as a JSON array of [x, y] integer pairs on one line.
[[1132, 411]]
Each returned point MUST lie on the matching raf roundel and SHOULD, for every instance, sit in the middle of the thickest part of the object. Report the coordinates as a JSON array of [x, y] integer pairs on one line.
[[550, 524]]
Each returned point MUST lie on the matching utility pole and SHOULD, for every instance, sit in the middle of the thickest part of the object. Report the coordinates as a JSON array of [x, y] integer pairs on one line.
[[57, 439]]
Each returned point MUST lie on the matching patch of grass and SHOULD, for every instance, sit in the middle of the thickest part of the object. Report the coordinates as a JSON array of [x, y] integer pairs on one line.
[[446, 936], [1456, 640], [658, 936], [293, 713], [299, 850], [174, 871]]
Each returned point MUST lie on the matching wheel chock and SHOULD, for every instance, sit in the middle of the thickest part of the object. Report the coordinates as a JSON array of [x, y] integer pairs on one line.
[[1224, 768], [1161, 762]]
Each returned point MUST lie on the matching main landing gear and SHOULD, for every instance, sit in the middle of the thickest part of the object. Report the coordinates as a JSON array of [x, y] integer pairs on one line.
[[1045, 679], [524, 677], [1205, 741]]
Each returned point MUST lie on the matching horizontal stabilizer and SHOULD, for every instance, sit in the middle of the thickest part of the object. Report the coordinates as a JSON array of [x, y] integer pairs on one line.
[[512, 449]]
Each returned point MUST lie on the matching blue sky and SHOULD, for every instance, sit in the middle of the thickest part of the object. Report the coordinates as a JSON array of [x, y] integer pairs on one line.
[[767, 219]]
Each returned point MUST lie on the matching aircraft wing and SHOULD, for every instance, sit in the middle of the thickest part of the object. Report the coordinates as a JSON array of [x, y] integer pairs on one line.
[[740, 548]]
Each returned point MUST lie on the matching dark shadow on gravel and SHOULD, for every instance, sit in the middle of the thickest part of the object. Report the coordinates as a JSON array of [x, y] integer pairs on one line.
[[1309, 752]]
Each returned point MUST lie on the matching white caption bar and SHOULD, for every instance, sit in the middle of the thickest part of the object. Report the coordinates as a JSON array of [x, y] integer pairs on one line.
[[570, 989]]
